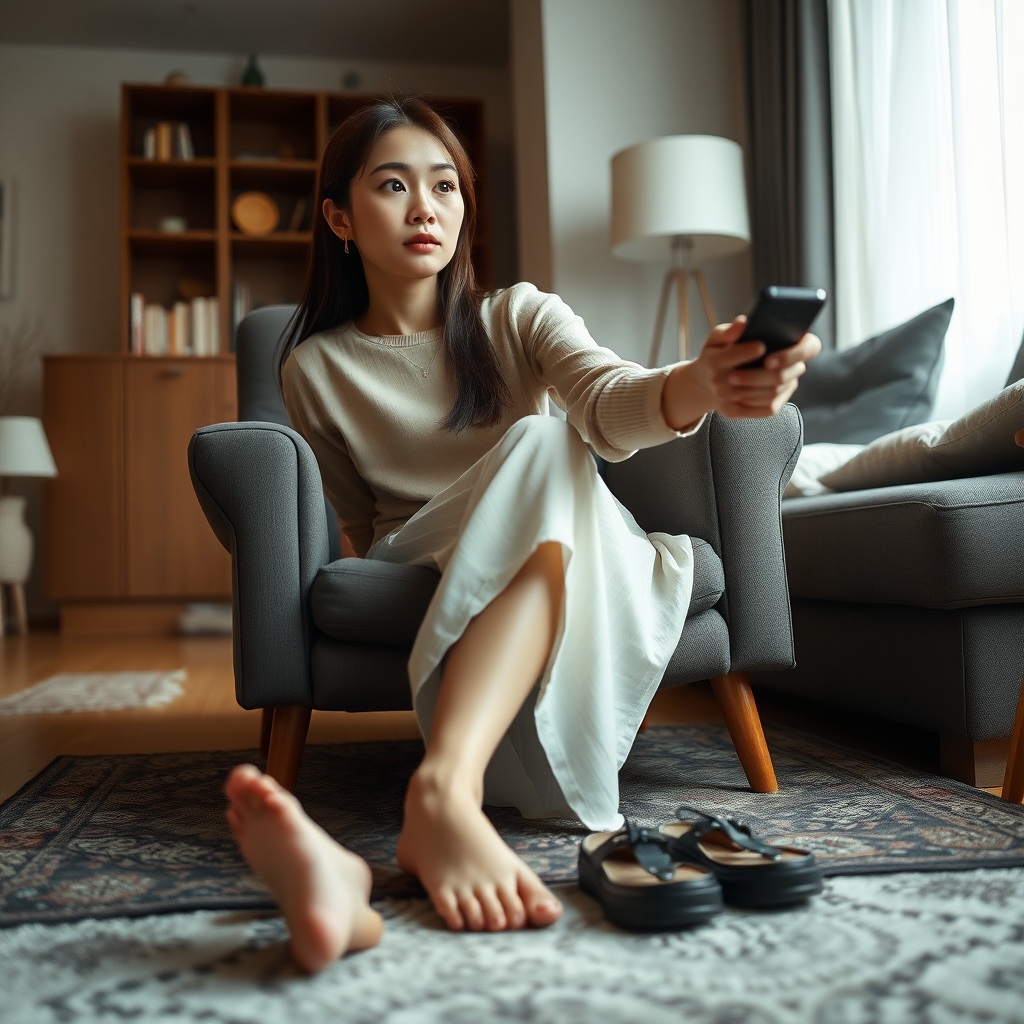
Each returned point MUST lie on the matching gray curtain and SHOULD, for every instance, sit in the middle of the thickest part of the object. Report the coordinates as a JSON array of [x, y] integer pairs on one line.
[[790, 111]]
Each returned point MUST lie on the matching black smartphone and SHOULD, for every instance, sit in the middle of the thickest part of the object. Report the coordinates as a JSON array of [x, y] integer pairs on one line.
[[781, 317]]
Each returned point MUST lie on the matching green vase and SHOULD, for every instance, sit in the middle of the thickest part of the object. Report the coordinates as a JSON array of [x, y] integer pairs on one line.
[[252, 74]]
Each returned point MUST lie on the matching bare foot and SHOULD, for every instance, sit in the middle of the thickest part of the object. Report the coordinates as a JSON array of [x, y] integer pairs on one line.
[[322, 888], [473, 879]]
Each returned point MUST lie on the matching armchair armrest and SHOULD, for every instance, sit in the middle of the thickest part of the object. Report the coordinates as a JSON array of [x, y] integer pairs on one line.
[[724, 484], [260, 488]]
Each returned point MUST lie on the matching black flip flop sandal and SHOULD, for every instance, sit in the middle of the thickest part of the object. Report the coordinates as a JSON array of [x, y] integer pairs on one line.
[[632, 875], [752, 873]]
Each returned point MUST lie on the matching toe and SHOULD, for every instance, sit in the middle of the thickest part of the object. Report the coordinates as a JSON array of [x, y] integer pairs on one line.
[[367, 929], [279, 803], [447, 906], [494, 912], [515, 912], [472, 912], [542, 909], [545, 912], [239, 779]]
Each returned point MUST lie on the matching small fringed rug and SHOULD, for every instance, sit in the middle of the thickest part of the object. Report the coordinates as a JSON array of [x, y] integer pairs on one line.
[[145, 833], [95, 691]]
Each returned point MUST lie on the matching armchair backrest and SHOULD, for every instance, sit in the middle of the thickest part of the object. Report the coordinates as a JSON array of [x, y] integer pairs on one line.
[[259, 398], [255, 344]]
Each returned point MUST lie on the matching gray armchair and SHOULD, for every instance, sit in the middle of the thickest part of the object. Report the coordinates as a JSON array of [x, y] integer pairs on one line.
[[314, 631]]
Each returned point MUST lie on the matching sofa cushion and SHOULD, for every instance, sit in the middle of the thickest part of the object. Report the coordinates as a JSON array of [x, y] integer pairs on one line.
[[883, 384], [954, 672], [979, 442], [948, 544], [379, 603]]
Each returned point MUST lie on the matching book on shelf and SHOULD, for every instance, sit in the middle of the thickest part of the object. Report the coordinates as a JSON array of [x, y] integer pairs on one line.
[[168, 140], [205, 327], [155, 327], [187, 329], [137, 324], [184, 150]]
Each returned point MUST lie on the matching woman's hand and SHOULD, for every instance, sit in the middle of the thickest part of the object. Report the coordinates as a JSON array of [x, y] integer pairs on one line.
[[714, 382]]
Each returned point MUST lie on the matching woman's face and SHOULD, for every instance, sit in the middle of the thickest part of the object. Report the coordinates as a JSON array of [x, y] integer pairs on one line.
[[406, 206]]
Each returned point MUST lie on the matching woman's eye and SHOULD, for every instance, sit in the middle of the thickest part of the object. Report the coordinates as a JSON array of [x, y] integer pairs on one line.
[[445, 186], [393, 185]]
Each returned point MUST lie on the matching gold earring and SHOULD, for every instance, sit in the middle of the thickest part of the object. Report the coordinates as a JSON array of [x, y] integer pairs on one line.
[[346, 246]]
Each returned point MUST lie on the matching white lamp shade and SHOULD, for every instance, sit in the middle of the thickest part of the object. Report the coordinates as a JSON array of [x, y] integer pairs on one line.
[[23, 448], [681, 186]]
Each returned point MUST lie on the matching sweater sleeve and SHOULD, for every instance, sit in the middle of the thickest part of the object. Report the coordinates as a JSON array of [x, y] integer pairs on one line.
[[347, 491], [614, 404]]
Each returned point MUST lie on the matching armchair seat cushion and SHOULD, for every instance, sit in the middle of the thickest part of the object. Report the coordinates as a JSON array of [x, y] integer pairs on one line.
[[948, 544], [361, 601]]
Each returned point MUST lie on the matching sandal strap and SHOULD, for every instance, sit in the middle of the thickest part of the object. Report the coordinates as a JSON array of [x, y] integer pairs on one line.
[[739, 833], [650, 848]]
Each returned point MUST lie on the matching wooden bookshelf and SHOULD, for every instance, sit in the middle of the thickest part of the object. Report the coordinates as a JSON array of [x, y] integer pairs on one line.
[[268, 140]]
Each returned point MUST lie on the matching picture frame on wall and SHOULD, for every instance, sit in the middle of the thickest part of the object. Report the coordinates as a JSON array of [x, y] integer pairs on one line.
[[6, 237]]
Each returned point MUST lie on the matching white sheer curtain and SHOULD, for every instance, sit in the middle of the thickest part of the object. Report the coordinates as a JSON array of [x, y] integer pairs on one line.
[[928, 150]]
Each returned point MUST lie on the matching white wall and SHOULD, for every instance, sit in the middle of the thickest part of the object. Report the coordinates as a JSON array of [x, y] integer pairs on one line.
[[616, 73], [59, 113]]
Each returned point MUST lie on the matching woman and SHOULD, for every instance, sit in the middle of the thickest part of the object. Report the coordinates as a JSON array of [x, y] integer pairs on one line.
[[555, 616]]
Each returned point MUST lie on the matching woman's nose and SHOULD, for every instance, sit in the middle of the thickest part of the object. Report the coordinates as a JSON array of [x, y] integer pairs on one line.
[[422, 211]]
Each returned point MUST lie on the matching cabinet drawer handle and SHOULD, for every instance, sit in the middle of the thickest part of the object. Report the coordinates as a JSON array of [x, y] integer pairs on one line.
[[173, 371]]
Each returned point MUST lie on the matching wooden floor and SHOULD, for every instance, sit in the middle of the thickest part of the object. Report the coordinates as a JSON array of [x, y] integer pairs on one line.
[[207, 717]]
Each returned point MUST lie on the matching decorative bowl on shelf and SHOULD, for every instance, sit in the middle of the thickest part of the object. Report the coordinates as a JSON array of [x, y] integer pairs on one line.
[[173, 224], [255, 213]]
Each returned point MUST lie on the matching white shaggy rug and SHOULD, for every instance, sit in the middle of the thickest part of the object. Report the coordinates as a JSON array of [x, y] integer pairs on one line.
[[95, 691], [893, 949]]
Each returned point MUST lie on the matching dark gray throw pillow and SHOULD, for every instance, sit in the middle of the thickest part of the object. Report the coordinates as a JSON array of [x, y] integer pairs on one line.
[[884, 384], [1017, 370]]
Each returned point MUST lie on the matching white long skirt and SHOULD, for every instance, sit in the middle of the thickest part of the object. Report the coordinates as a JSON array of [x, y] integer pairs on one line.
[[626, 597]]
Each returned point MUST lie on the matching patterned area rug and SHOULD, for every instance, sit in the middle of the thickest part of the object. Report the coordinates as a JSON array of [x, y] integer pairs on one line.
[[882, 949], [141, 834], [95, 691]]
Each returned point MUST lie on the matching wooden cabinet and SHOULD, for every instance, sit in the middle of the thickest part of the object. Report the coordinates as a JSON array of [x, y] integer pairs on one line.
[[126, 541]]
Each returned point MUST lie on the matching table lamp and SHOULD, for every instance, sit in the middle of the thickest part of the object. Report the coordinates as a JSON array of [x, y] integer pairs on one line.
[[680, 200], [23, 452]]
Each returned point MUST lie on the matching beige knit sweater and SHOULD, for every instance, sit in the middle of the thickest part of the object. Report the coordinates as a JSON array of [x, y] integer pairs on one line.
[[373, 419]]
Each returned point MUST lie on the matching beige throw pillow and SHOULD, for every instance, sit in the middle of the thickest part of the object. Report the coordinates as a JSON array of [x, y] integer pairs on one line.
[[814, 462], [980, 443]]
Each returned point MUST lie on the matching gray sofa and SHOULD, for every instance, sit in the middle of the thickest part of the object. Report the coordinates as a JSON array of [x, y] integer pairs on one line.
[[311, 631], [908, 604]]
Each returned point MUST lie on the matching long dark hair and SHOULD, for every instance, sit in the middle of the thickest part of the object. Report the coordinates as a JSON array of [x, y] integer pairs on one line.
[[336, 291]]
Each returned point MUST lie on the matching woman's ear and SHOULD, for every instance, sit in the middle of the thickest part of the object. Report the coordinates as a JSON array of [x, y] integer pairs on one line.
[[337, 219]]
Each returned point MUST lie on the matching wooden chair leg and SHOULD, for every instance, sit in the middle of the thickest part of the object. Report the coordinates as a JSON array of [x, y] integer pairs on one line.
[[266, 723], [20, 608], [287, 740], [736, 700], [1013, 780]]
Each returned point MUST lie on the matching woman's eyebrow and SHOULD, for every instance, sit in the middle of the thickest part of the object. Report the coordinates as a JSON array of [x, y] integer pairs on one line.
[[395, 165]]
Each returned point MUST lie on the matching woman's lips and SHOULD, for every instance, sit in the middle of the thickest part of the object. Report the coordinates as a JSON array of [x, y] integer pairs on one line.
[[423, 244]]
